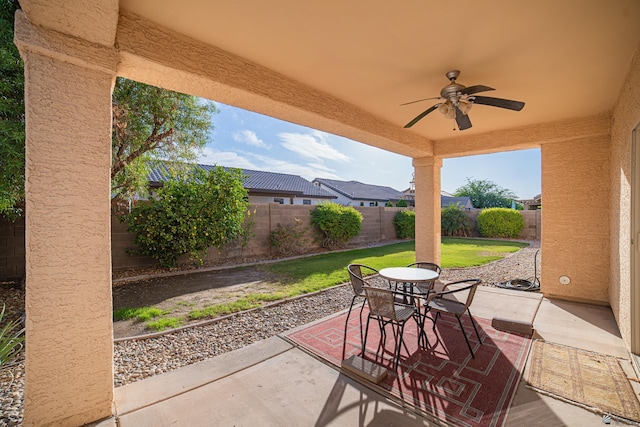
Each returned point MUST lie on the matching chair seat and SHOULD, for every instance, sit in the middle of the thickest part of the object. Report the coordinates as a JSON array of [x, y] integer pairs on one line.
[[447, 305], [404, 312]]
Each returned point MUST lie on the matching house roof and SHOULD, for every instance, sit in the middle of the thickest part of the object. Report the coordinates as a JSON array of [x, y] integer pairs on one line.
[[360, 191], [260, 182], [537, 200], [464, 201]]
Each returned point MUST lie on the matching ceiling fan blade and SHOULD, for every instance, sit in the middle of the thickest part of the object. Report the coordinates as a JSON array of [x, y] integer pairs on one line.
[[475, 89], [463, 120], [499, 102], [420, 116], [419, 100]]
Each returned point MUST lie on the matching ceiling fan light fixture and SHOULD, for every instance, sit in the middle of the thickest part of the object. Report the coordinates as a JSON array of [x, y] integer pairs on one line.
[[447, 110], [464, 106]]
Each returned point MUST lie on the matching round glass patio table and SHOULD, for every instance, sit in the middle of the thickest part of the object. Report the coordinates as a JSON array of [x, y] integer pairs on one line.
[[408, 276]]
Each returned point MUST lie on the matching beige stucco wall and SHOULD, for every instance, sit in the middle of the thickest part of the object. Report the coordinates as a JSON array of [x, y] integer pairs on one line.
[[69, 337], [626, 116], [575, 223]]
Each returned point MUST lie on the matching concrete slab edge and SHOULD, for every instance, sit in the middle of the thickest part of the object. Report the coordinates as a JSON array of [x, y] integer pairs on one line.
[[156, 389]]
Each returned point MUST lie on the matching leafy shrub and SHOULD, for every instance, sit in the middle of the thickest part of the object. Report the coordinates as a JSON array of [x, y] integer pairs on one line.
[[388, 204], [454, 222], [290, 239], [500, 222], [189, 215], [405, 222], [401, 203], [337, 223], [11, 338]]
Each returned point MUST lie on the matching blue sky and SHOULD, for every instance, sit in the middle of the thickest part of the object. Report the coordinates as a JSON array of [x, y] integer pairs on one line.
[[248, 140]]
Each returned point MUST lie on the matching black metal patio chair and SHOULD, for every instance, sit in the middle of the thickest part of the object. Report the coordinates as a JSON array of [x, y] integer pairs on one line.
[[385, 310], [441, 302]]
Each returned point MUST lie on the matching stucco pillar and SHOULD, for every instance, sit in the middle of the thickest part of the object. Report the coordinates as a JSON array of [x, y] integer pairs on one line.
[[69, 338], [427, 181]]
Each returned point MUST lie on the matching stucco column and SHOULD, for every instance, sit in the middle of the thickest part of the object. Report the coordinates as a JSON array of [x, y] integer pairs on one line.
[[69, 338], [427, 181]]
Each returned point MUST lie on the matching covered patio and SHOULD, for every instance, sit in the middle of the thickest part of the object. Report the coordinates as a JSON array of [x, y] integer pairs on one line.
[[340, 68], [277, 382]]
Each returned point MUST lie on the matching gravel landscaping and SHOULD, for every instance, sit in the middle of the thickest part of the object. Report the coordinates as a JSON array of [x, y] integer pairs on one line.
[[141, 358]]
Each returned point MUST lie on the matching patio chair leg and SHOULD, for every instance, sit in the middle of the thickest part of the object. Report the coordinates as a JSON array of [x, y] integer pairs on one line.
[[422, 336], [465, 337], [346, 323], [474, 326], [400, 331], [435, 319], [366, 332]]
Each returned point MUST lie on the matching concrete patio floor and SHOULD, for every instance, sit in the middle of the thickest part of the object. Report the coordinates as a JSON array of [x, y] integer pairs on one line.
[[273, 383]]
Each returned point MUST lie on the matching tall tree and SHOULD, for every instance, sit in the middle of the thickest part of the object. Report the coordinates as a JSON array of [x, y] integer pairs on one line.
[[486, 194], [12, 134], [152, 124], [149, 123]]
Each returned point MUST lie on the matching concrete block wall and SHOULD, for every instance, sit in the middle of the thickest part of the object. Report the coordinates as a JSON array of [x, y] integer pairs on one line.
[[377, 226], [532, 224]]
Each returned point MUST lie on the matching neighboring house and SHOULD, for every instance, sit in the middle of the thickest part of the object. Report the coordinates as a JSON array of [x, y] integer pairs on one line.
[[464, 202], [265, 187], [354, 193], [532, 204], [446, 199]]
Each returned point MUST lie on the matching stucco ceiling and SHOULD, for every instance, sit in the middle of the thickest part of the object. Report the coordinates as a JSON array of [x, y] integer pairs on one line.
[[563, 58]]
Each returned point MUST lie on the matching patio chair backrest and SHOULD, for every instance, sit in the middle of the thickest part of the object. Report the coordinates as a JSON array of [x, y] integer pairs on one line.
[[356, 277], [474, 285], [381, 302], [471, 285], [427, 265]]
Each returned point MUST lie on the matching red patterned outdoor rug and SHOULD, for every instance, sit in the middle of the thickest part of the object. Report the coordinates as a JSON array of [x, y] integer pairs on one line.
[[594, 380], [442, 380]]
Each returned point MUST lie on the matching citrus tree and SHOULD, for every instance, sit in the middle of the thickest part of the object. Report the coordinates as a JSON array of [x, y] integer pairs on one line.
[[189, 215]]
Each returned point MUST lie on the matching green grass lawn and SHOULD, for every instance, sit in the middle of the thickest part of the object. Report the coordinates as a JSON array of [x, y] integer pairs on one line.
[[321, 271], [314, 273]]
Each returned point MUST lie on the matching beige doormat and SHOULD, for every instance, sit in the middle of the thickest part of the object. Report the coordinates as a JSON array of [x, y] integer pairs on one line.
[[590, 379]]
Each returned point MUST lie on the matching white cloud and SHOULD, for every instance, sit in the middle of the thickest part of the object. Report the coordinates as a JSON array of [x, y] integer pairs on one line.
[[308, 171], [224, 158], [249, 137], [247, 160], [311, 146], [321, 167]]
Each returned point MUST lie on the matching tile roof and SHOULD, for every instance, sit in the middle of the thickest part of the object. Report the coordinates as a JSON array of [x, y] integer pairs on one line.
[[358, 190], [462, 201], [259, 182]]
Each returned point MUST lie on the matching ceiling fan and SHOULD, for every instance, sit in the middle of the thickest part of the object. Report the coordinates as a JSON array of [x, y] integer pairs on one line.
[[456, 101]]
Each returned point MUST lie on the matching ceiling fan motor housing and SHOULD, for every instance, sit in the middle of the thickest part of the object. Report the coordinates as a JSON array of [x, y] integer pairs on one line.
[[451, 90]]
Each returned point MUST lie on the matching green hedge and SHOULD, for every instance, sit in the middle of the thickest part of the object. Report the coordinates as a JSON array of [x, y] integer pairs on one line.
[[405, 222], [338, 223], [500, 222]]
